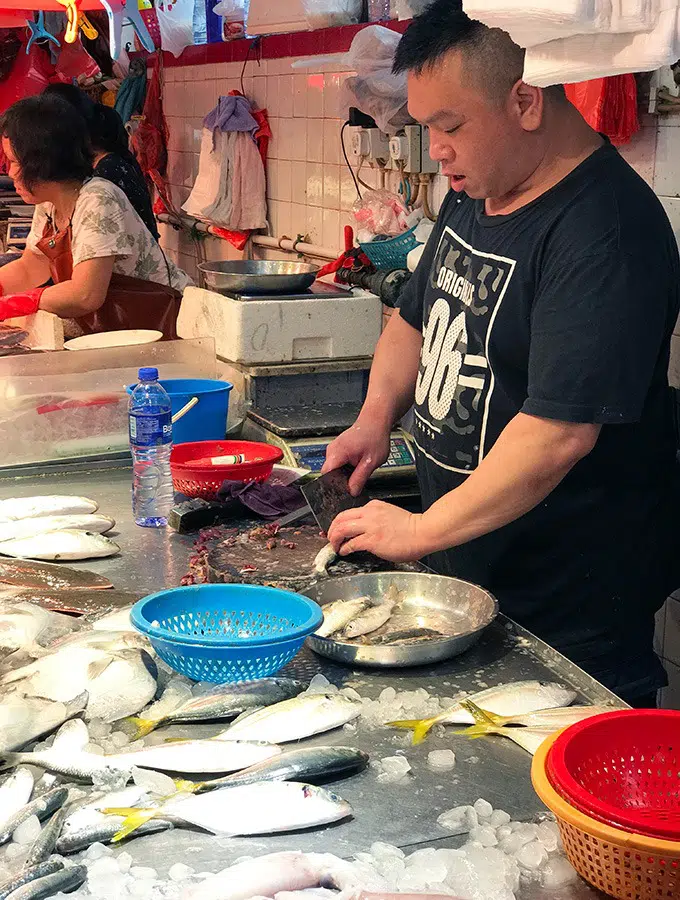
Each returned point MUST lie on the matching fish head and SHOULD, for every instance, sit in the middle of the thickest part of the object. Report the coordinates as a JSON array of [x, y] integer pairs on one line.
[[323, 799]]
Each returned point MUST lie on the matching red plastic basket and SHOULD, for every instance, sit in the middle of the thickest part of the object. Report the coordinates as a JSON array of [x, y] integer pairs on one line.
[[622, 768], [205, 481]]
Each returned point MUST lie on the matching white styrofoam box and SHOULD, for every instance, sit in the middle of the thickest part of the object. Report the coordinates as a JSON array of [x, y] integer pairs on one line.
[[272, 331], [667, 165], [45, 330], [265, 17]]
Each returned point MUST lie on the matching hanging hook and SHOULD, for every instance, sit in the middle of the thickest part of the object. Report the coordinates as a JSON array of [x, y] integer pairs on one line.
[[39, 32]]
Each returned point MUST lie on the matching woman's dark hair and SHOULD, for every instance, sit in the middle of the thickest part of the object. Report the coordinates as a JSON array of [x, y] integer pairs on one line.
[[49, 140], [105, 127]]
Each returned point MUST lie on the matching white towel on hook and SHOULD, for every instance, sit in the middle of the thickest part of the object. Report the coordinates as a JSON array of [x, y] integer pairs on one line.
[[539, 21], [582, 57]]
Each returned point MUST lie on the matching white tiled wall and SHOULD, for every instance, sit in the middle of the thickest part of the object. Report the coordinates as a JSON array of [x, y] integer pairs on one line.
[[309, 188]]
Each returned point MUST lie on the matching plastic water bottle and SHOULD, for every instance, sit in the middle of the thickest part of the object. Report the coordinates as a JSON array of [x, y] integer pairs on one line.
[[150, 417]]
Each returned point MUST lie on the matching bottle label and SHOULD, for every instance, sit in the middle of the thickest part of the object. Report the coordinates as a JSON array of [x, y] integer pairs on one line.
[[150, 431]]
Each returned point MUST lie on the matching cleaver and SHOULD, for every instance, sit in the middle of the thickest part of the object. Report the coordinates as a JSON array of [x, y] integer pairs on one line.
[[329, 495]]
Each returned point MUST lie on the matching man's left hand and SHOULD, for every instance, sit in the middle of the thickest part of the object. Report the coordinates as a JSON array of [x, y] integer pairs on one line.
[[380, 528]]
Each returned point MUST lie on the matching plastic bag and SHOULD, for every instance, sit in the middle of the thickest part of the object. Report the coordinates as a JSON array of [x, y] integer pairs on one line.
[[375, 90], [609, 105], [327, 13], [176, 23], [74, 62], [30, 74], [380, 212], [233, 13]]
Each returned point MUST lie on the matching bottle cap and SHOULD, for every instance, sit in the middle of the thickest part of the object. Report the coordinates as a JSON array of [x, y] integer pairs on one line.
[[148, 373]]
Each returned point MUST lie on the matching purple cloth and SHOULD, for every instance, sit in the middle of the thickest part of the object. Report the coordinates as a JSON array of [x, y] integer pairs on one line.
[[232, 113], [267, 500]]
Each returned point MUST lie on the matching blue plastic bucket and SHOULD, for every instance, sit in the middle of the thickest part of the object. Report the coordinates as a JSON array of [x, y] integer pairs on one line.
[[207, 421]]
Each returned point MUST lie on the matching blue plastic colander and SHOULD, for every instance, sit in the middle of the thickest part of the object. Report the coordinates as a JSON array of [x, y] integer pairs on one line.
[[392, 253], [226, 632]]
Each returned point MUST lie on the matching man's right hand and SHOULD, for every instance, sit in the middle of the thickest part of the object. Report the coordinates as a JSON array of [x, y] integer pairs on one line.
[[364, 446]]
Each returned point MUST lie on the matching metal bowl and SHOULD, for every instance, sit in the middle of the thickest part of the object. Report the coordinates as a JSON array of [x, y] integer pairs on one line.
[[252, 276], [458, 609]]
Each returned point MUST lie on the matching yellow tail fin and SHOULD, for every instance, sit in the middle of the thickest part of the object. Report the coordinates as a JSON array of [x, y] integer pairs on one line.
[[133, 819], [485, 721], [143, 726], [188, 787], [420, 727]]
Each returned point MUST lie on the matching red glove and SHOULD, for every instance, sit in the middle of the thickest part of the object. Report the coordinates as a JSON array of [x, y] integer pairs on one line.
[[24, 304]]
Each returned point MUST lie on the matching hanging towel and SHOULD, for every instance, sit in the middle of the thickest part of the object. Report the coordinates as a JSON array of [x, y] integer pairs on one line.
[[232, 113], [249, 206], [539, 21], [587, 56]]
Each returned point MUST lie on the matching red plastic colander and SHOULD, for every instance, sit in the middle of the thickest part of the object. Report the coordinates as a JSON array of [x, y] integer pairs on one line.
[[622, 768], [204, 481]]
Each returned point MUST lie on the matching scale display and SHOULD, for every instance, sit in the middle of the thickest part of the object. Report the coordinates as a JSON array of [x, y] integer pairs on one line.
[[311, 454]]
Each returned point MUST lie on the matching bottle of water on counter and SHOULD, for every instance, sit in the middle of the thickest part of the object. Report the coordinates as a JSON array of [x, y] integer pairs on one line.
[[150, 416]]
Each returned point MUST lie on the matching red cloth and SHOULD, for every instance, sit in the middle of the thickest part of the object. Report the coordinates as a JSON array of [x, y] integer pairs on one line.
[[609, 105], [150, 141], [23, 304]]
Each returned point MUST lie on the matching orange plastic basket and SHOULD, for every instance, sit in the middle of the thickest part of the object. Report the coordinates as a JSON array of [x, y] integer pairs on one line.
[[624, 865]]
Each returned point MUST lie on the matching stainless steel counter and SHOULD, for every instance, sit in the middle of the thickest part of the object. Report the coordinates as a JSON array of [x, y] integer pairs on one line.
[[403, 814]]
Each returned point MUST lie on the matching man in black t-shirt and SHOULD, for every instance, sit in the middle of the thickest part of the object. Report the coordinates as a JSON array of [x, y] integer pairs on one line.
[[533, 342]]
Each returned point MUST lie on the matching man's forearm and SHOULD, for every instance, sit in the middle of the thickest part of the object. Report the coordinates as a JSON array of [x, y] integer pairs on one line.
[[526, 463], [393, 373]]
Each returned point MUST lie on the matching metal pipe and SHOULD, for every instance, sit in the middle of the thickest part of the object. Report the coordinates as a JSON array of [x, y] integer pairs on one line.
[[290, 245]]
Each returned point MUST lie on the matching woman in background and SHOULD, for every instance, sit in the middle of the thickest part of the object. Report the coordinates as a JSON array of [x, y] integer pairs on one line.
[[112, 157]]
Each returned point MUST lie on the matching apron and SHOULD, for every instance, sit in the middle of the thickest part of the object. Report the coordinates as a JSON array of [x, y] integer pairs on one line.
[[130, 302]]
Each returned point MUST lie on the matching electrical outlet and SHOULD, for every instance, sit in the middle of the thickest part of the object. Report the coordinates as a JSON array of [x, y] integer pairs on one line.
[[398, 148], [413, 148], [427, 164], [378, 146], [360, 145]]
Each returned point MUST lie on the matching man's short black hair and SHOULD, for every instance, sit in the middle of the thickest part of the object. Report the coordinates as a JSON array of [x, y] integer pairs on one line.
[[49, 140], [492, 58]]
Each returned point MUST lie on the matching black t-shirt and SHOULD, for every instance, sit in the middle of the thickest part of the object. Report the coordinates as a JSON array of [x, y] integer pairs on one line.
[[563, 309], [129, 178]]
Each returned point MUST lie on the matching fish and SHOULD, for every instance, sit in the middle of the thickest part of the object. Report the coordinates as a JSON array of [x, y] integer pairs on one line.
[[407, 636], [288, 870], [44, 844], [116, 620], [513, 698], [302, 764], [26, 528], [292, 720], [267, 807], [559, 717], [340, 613], [124, 687], [21, 624], [323, 559], [28, 874], [42, 807], [87, 603], [49, 505], [103, 832], [15, 792], [27, 574], [68, 756], [63, 880], [24, 719], [224, 702], [68, 544], [369, 620]]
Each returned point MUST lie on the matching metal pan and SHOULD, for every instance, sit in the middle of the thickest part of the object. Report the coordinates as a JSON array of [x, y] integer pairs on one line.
[[251, 276], [457, 609]]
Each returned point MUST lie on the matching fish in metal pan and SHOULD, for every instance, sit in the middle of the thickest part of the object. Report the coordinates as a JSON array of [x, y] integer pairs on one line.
[[28, 528], [48, 505], [302, 764], [25, 719], [62, 881], [293, 719], [43, 846], [268, 807], [42, 807], [369, 620], [513, 698], [405, 636], [289, 870], [28, 874], [69, 545], [15, 792], [340, 613], [46, 576], [225, 702]]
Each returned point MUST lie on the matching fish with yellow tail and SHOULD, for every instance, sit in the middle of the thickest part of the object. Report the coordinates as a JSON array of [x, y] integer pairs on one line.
[[511, 699]]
